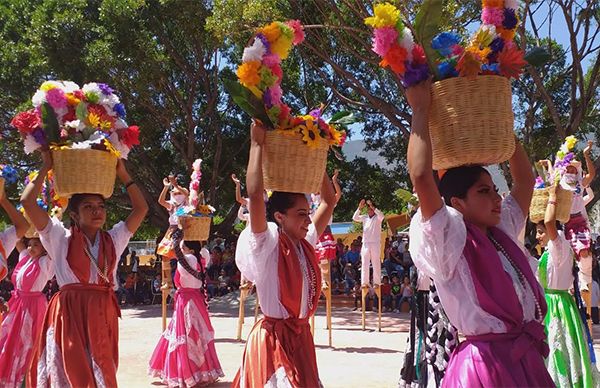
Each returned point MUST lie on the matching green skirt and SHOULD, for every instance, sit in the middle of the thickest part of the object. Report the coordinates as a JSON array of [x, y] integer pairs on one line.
[[569, 361]]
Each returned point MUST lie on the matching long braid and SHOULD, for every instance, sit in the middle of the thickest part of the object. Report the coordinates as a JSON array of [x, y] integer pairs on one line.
[[200, 275]]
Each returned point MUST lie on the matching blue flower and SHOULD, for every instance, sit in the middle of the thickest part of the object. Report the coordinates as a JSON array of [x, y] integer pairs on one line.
[[120, 109], [443, 43], [8, 173], [492, 67], [447, 69]]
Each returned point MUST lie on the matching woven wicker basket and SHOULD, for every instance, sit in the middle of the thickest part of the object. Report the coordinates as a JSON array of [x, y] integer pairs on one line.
[[84, 171], [539, 202], [471, 121], [292, 166], [195, 228]]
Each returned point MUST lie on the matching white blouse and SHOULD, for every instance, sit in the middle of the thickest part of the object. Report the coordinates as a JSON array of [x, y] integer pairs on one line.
[[46, 271], [185, 278], [559, 273], [257, 257], [436, 247], [55, 238], [8, 238], [371, 226]]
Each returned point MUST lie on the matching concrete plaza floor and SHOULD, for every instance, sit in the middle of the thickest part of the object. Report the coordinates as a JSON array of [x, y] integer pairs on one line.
[[357, 358]]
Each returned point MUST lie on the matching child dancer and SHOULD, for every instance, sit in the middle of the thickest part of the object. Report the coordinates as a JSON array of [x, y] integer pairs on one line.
[[10, 236], [569, 361], [468, 246], [80, 335], [21, 328], [279, 257], [179, 198], [185, 355]]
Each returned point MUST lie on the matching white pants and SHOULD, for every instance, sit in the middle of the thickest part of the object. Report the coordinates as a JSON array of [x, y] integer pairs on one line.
[[370, 253], [585, 272]]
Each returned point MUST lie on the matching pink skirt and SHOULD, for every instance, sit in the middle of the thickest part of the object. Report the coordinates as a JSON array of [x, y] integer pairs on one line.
[[19, 334], [185, 354]]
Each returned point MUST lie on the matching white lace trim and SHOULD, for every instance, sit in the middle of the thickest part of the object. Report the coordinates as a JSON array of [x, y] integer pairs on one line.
[[50, 369], [197, 378], [525, 296], [278, 380]]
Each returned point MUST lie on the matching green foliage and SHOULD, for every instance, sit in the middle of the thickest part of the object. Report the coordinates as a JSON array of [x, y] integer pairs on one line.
[[427, 26]]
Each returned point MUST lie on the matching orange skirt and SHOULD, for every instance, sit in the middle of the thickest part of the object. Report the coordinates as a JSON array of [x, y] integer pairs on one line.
[[79, 341], [276, 349], [165, 247]]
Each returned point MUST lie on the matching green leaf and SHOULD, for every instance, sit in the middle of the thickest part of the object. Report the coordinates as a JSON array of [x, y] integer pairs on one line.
[[339, 115], [81, 111], [50, 123], [538, 56], [247, 101], [427, 26], [346, 119]]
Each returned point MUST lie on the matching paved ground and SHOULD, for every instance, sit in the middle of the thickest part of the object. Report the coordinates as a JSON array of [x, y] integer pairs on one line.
[[357, 359]]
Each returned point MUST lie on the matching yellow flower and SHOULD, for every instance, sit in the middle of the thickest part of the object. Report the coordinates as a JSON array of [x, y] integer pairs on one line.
[[570, 141], [282, 47], [480, 53], [49, 85], [310, 132], [386, 15], [248, 73], [336, 136], [111, 149], [94, 120], [271, 31], [72, 100], [484, 36]]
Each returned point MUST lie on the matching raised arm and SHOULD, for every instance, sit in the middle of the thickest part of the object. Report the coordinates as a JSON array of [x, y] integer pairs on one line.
[[139, 207], [325, 209], [36, 214], [238, 191], [550, 216], [15, 216], [336, 186], [162, 198], [589, 195], [419, 154], [522, 177], [181, 189], [356, 217], [254, 178], [591, 168]]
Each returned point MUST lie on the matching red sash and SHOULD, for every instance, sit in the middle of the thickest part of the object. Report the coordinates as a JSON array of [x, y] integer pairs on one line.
[[79, 262]]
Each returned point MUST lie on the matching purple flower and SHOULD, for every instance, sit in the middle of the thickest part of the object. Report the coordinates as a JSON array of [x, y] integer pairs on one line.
[[120, 109], [316, 113], [497, 44], [492, 67], [265, 42], [444, 42], [40, 136], [414, 74], [510, 19], [539, 183], [105, 89]]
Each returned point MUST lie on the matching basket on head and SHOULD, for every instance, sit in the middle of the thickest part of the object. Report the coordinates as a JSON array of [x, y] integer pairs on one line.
[[291, 165], [84, 171], [195, 228], [471, 121], [539, 202]]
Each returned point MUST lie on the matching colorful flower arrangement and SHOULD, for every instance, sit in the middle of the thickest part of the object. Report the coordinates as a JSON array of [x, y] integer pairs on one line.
[[196, 206], [564, 157], [490, 51], [66, 116], [8, 173], [394, 43], [261, 74], [48, 199]]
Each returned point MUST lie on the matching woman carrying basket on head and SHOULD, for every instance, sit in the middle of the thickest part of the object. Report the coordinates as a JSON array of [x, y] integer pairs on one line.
[[179, 197], [467, 243], [280, 258], [569, 361], [79, 340]]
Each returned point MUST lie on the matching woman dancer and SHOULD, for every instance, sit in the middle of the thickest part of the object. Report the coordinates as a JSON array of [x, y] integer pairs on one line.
[[22, 326], [280, 258], [569, 362], [80, 336], [185, 355], [179, 198], [468, 246]]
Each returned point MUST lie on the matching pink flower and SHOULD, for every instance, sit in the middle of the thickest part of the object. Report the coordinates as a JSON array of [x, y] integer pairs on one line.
[[298, 31], [383, 39], [271, 60], [64, 134], [195, 185], [275, 93], [457, 50], [494, 16], [56, 98], [27, 122]]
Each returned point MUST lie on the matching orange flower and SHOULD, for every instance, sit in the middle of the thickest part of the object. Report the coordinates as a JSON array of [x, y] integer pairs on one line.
[[468, 65], [511, 62], [493, 3], [248, 73], [271, 31], [395, 58], [507, 35]]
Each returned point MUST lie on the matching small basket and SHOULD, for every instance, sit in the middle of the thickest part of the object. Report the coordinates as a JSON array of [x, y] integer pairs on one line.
[[291, 165], [195, 228], [471, 121], [78, 171], [539, 202]]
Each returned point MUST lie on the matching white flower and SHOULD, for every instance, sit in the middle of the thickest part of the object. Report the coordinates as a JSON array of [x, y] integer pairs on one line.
[[69, 86], [254, 52], [38, 98], [116, 143], [97, 136], [92, 87], [30, 144], [120, 124], [109, 101], [81, 145], [407, 42], [512, 4], [75, 124]]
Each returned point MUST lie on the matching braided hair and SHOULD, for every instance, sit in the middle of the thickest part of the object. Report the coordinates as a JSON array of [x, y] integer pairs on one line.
[[177, 237]]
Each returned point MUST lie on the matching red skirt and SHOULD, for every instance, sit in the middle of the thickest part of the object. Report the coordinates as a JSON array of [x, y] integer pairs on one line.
[[326, 247]]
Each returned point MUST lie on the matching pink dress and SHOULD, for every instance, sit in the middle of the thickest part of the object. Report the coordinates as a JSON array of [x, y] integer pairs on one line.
[[185, 354], [22, 326]]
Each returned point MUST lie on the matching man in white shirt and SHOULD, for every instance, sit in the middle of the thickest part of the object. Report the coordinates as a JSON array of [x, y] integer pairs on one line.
[[371, 247]]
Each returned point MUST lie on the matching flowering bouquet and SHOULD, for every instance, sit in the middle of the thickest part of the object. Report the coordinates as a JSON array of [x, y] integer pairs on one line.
[[8, 173], [196, 206], [563, 159], [48, 199], [260, 93], [490, 51], [66, 116]]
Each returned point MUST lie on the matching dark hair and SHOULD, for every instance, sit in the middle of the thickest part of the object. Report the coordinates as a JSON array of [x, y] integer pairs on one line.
[[542, 223], [457, 181], [77, 199], [281, 201]]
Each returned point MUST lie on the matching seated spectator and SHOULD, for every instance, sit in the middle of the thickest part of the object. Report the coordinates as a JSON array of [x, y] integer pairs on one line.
[[386, 295], [156, 283], [406, 294], [349, 278], [223, 280], [130, 288], [396, 291], [393, 263], [352, 256]]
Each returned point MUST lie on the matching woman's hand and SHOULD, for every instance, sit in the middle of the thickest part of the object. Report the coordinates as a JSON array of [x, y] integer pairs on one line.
[[235, 179], [166, 182], [588, 148], [419, 96], [257, 132]]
